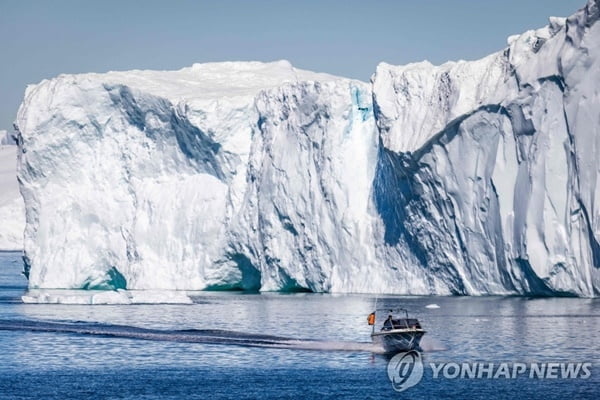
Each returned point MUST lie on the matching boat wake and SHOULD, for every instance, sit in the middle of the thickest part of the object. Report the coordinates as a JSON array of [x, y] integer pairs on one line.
[[430, 344], [206, 336]]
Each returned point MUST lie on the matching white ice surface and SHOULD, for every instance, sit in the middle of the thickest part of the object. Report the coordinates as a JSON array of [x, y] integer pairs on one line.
[[12, 209], [140, 181], [495, 164]]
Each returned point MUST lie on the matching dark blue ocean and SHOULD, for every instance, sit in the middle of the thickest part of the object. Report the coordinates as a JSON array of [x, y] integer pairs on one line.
[[302, 345]]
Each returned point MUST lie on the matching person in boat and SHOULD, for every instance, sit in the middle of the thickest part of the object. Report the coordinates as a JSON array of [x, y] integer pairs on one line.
[[371, 318], [388, 324]]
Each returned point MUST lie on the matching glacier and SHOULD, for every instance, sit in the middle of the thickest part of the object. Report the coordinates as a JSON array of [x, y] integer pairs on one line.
[[466, 178]]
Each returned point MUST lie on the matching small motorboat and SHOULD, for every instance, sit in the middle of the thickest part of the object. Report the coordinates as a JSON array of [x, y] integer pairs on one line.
[[397, 333]]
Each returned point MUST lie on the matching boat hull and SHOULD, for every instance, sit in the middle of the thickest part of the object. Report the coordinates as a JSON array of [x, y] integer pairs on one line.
[[398, 340]]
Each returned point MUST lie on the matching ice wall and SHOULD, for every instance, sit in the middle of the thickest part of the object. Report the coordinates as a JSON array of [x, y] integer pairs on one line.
[[487, 175], [230, 175]]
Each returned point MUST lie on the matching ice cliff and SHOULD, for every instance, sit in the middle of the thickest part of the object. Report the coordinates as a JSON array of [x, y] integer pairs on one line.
[[487, 174], [465, 178], [228, 175]]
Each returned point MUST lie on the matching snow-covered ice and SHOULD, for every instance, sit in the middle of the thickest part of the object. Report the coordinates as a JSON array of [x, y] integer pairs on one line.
[[12, 209], [6, 138], [466, 178]]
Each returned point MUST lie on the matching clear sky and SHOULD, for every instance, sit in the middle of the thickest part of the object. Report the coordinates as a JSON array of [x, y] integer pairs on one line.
[[41, 39]]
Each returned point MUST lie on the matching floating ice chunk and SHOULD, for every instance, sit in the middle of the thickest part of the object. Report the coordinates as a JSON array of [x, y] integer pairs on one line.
[[432, 306], [159, 296], [42, 296]]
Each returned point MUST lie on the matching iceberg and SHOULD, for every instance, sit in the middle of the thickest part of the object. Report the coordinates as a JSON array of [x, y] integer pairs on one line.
[[218, 176], [12, 209], [487, 175], [6, 139], [466, 178]]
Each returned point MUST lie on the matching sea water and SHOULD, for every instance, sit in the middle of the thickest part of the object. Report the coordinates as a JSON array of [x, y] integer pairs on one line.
[[300, 345]]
